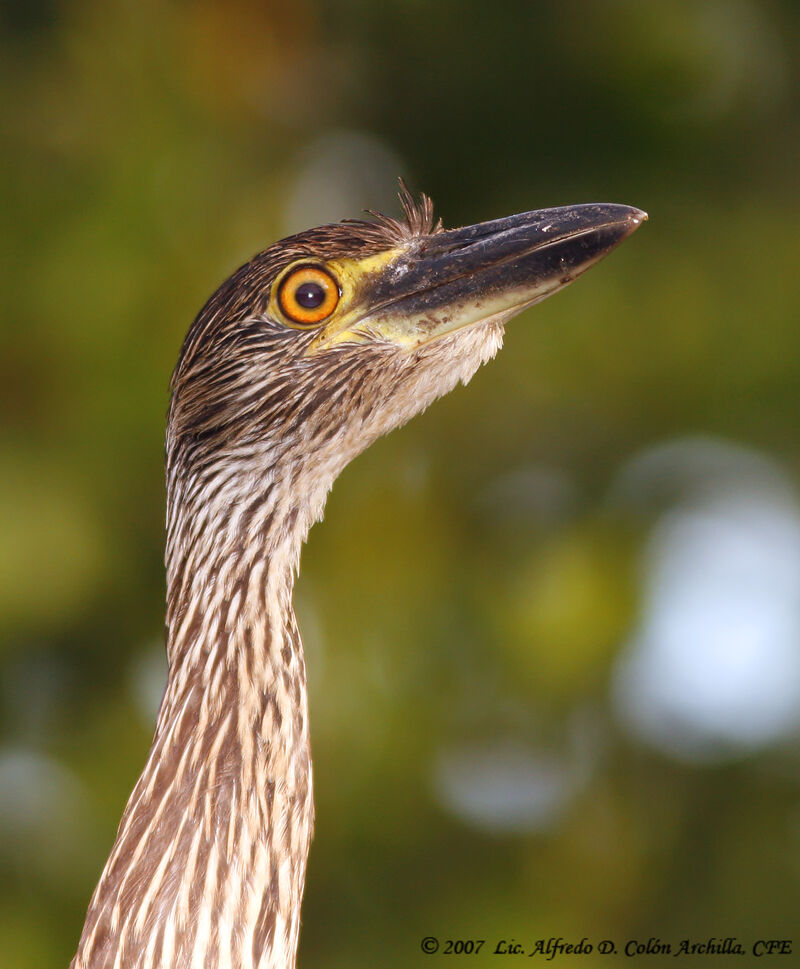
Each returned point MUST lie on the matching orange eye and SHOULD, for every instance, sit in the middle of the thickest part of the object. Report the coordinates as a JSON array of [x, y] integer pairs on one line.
[[308, 295]]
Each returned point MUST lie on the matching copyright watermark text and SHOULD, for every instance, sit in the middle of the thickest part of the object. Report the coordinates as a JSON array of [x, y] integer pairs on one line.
[[555, 948]]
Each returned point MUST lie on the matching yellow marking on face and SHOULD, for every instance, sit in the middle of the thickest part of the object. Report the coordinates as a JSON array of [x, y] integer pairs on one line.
[[353, 277]]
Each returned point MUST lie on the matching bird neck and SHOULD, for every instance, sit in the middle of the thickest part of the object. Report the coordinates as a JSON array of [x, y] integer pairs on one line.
[[209, 863]]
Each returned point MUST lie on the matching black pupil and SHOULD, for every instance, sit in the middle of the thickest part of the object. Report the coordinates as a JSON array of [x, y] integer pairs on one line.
[[309, 295]]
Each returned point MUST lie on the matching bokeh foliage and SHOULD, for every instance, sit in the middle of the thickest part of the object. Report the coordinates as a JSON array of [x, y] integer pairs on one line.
[[473, 582]]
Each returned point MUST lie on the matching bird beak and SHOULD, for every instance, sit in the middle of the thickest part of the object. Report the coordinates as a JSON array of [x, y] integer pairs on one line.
[[450, 280]]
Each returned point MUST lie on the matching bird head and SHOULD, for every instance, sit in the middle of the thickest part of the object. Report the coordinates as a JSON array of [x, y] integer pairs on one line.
[[330, 338]]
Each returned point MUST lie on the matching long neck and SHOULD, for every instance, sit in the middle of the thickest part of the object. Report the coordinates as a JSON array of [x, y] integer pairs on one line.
[[209, 863]]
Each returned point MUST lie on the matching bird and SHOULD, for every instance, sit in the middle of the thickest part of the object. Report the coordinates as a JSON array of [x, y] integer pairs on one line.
[[308, 353]]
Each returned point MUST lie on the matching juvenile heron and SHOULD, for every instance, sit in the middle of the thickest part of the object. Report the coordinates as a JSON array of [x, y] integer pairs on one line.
[[299, 361]]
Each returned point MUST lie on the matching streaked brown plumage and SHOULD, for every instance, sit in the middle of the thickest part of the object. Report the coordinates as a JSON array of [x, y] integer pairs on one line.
[[209, 862]]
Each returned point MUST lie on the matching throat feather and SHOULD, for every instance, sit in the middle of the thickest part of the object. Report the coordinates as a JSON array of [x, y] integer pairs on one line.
[[208, 867]]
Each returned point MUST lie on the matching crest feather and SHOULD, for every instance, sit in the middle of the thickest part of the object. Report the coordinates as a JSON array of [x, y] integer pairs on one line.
[[418, 221]]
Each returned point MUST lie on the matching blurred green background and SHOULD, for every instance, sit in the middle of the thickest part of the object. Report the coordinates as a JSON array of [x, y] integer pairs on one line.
[[565, 697]]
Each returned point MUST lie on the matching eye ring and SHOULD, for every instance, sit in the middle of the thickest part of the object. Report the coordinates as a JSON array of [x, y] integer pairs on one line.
[[307, 296]]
